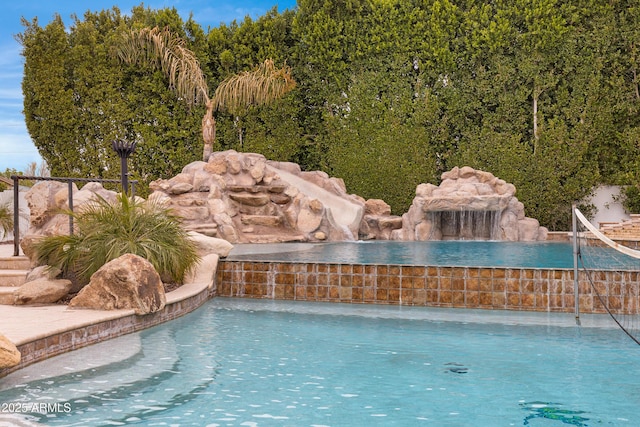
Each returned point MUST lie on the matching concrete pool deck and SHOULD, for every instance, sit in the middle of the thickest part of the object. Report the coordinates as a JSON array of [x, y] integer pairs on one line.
[[22, 324], [44, 331]]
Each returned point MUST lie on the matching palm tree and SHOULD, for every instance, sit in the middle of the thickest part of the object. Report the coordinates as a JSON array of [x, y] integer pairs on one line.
[[167, 52]]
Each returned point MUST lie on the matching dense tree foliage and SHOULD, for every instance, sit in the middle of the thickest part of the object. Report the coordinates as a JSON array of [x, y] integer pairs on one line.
[[79, 98], [544, 94]]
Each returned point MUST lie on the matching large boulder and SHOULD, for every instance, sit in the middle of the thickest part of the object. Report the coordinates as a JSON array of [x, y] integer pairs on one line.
[[43, 272], [127, 282], [42, 291], [9, 354], [42, 201]]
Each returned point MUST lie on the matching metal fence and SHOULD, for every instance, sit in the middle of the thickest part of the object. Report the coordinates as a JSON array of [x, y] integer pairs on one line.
[[70, 181]]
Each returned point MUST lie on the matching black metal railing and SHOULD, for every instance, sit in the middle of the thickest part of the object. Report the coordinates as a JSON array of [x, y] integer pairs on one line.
[[70, 181]]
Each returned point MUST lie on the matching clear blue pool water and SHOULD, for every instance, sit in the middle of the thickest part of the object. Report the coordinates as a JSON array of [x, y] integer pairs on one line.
[[443, 253], [276, 363]]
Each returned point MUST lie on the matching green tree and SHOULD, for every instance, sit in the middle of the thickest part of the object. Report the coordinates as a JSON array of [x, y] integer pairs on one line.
[[164, 50], [78, 99], [543, 94], [380, 138]]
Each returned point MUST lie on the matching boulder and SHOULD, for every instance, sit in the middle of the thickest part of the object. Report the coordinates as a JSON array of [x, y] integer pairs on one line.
[[181, 188], [127, 282], [376, 207], [42, 291], [41, 199], [27, 245], [43, 272], [310, 216], [206, 245], [9, 354], [45, 199]]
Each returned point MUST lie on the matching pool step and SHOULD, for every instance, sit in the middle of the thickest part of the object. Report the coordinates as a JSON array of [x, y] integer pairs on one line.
[[12, 278], [15, 263], [6, 294]]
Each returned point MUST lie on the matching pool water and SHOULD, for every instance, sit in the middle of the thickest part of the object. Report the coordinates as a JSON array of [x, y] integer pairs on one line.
[[449, 253], [276, 363], [453, 253]]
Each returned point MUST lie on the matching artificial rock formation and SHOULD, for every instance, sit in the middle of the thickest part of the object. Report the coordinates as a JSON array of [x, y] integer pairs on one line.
[[378, 223], [206, 245], [9, 354], [468, 205], [46, 199], [127, 282], [242, 197], [204, 271], [245, 198]]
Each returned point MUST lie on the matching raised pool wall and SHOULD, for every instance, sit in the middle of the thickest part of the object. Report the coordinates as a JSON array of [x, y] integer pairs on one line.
[[493, 288]]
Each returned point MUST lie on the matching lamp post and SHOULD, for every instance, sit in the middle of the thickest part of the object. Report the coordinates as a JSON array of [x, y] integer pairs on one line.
[[124, 150]]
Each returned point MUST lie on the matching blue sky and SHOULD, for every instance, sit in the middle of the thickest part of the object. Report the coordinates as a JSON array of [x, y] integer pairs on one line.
[[16, 148]]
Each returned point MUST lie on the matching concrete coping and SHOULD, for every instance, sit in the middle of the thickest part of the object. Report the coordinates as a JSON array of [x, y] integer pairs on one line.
[[31, 323], [41, 332]]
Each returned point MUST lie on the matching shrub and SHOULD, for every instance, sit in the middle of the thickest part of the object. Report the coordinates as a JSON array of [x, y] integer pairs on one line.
[[6, 218], [104, 231]]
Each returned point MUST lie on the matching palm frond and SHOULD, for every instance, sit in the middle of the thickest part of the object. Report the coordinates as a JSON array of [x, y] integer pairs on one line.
[[168, 53], [6, 218], [105, 231], [260, 86]]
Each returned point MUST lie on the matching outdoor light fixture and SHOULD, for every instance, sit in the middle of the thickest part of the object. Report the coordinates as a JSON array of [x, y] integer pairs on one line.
[[124, 150]]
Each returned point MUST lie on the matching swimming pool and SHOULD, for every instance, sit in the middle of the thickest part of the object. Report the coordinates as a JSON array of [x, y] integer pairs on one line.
[[441, 253], [535, 276], [451, 253], [274, 363]]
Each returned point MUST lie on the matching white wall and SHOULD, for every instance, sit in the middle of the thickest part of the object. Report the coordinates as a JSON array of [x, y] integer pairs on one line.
[[608, 209]]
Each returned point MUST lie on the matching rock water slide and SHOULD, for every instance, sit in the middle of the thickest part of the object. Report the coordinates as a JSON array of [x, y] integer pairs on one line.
[[342, 213]]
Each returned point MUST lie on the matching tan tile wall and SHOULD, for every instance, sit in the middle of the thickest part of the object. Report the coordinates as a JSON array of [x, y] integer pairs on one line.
[[464, 287]]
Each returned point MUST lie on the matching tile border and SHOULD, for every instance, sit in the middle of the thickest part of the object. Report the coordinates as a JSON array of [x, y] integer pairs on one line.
[[492, 288]]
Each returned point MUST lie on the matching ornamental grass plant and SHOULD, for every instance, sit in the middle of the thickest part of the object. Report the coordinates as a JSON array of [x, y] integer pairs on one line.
[[103, 231], [6, 218]]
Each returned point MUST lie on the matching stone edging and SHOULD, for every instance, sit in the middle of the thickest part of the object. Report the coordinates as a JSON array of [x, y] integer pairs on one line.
[[182, 301]]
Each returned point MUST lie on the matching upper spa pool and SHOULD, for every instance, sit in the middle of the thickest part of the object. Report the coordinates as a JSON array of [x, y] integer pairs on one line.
[[433, 253]]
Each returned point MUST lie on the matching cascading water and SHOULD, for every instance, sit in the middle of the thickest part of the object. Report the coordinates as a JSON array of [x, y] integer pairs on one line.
[[271, 281], [465, 225]]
